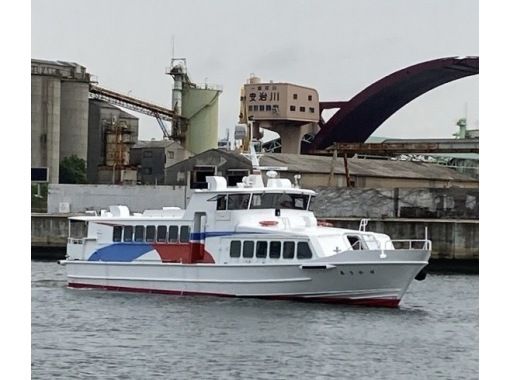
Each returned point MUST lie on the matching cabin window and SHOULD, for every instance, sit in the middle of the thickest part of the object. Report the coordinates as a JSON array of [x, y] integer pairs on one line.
[[355, 242], [139, 232], [261, 252], [221, 202], [235, 248], [248, 249], [184, 234], [150, 233], [238, 201], [161, 236], [128, 233], [275, 248], [117, 233], [288, 250], [279, 200], [303, 251], [173, 232]]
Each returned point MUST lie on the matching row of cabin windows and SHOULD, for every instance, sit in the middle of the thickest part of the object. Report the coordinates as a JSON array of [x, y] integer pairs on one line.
[[150, 234], [263, 201], [259, 249]]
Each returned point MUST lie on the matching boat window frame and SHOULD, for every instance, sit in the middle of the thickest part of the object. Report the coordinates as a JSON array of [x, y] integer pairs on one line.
[[293, 250], [125, 234], [245, 256], [171, 228], [272, 243], [140, 239], [152, 229], [185, 235], [235, 254], [159, 238], [277, 202], [359, 242], [235, 195], [307, 245], [117, 237], [259, 243]]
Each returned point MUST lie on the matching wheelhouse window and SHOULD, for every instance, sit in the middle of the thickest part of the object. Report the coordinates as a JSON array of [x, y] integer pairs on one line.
[[117, 233], [279, 200], [139, 232], [128, 233], [248, 247], [150, 233], [261, 252], [173, 232], [311, 203], [238, 201], [303, 251], [288, 250], [275, 248], [161, 234], [184, 234], [235, 248]]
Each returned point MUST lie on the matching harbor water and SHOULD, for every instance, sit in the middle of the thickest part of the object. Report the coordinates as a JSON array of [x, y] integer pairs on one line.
[[91, 334]]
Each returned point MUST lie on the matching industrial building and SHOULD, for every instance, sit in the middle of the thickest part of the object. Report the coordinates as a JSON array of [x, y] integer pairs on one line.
[[152, 157], [111, 134], [316, 171], [60, 108]]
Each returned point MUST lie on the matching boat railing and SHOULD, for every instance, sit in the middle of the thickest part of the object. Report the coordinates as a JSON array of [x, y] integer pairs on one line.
[[409, 244]]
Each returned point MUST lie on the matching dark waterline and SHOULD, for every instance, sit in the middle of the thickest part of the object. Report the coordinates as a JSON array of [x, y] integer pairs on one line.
[[82, 334]]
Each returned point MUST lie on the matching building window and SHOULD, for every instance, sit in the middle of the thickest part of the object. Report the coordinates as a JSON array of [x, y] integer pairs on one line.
[[161, 234], [274, 87], [235, 248], [288, 250], [267, 87], [292, 108], [117, 233], [248, 249], [200, 172], [275, 248], [312, 110], [259, 88], [303, 251], [150, 233], [310, 97], [147, 171], [261, 252], [294, 96], [268, 107], [250, 108], [184, 234], [170, 155], [302, 109], [255, 108], [173, 231], [128, 233], [147, 154], [139, 232]]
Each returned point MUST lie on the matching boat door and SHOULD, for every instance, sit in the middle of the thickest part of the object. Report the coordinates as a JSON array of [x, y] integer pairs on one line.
[[198, 245]]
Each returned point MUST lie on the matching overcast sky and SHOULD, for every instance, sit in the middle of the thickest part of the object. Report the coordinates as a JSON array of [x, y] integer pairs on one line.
[[337, 47]]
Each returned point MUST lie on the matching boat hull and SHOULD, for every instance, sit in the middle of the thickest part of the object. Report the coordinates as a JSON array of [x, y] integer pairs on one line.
[[366, 281]]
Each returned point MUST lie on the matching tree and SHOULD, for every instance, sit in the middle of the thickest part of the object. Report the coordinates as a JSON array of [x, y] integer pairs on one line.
[[72, 170]]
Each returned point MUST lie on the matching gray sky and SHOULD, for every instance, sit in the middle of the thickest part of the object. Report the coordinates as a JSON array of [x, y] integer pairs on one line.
[[337, 47]]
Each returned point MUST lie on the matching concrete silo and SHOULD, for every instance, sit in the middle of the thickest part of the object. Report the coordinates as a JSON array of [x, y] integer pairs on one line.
[[198, 104]]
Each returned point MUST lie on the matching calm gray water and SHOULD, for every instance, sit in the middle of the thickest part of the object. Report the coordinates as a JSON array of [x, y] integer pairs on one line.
[[89, 334]]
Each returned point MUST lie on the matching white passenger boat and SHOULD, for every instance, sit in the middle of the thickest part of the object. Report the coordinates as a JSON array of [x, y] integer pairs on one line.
[[252, 240]]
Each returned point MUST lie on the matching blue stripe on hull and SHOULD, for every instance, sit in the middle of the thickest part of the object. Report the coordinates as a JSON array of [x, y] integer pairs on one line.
[[120, 252]]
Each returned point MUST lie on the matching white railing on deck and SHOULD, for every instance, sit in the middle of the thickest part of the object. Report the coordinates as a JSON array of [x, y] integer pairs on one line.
[[410, 244]]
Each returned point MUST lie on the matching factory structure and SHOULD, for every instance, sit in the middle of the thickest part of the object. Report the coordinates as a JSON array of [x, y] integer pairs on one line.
[[73, 116]]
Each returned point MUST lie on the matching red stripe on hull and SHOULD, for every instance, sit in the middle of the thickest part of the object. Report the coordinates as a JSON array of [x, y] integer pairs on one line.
[[376, 302]]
